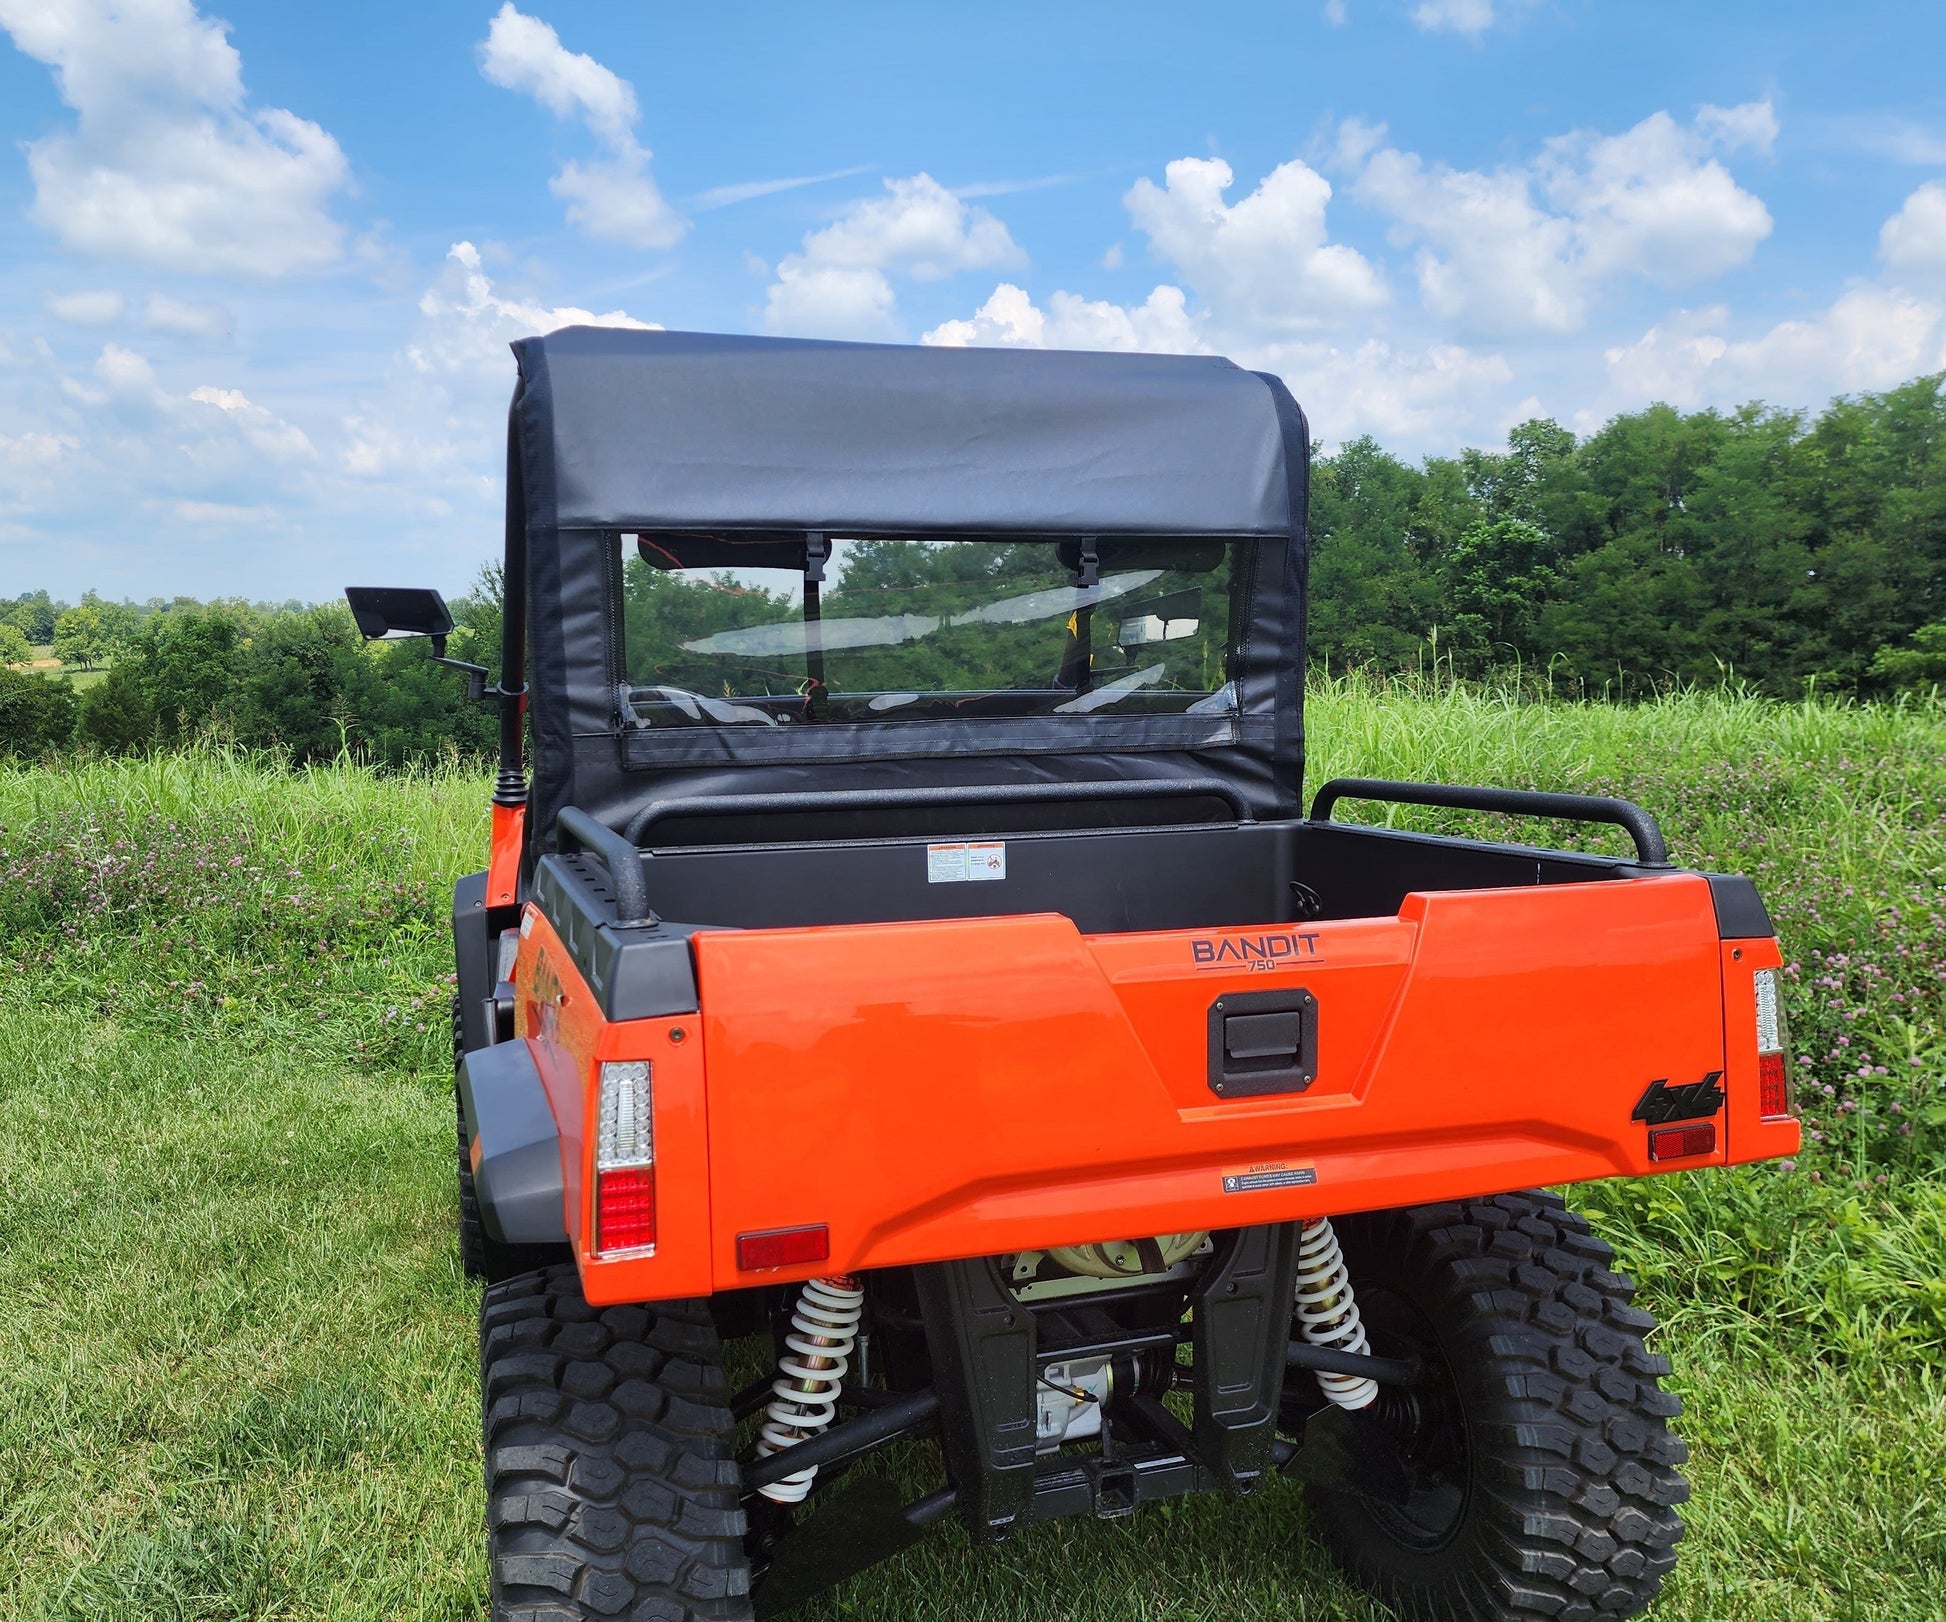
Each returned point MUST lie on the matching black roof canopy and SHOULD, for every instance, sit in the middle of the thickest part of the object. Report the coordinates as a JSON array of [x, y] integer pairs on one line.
[[684, 430], [617, 431]]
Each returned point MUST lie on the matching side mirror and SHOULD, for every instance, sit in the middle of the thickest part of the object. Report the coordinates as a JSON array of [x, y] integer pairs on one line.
[[397, 611]]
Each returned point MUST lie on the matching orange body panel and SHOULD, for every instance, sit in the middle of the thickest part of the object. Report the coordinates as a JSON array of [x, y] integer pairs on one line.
[[503, 854], [959, 1088]]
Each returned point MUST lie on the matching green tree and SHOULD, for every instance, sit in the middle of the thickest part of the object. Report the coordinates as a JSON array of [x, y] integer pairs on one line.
[[80, 637], [188, 663], [13, 645], [117, 716], [36, 714]]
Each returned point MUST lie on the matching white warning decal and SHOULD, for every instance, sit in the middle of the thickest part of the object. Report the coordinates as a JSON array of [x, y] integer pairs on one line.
[[967, 863], [1250, 1179]]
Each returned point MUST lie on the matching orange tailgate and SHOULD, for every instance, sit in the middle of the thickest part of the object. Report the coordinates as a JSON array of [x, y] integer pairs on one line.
[[933, 1090]]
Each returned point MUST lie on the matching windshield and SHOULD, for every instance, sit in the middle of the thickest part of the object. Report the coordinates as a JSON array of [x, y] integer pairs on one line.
[[909, 629]]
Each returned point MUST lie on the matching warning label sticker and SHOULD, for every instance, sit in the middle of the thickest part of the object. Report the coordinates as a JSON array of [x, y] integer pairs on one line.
[[1270, 1174], [967, 863]]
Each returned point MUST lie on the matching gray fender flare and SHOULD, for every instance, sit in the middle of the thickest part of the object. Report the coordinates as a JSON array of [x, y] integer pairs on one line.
[[517, 1172]]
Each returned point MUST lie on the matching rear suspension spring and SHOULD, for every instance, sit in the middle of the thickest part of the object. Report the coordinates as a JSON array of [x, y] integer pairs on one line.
[[823, 1333], [1326, 1313]]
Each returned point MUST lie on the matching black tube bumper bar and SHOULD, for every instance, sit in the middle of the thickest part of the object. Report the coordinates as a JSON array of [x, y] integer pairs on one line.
[[1329, 1360], [845, 1440], [905, 799], [623, 859], [1650, 847]]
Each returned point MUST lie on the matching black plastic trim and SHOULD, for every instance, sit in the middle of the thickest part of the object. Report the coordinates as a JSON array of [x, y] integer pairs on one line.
[[1650, 847], [518, 1174], [473, 959], [1236, 1074], [1740, 912], [1241, 1310], [635, 972]]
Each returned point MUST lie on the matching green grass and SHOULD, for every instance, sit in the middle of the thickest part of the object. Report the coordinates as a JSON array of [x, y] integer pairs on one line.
[[236, 1355]]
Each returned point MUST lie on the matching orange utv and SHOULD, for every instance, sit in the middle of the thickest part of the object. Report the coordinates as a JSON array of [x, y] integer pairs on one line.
[[914, 981]]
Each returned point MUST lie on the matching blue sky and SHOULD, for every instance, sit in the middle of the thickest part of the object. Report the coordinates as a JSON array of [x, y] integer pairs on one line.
[[259, 264]]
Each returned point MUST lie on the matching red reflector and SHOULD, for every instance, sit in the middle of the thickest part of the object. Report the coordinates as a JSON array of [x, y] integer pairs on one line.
[[1773, 1086], [1679, 1142], [625, 1209], [783, 1247]]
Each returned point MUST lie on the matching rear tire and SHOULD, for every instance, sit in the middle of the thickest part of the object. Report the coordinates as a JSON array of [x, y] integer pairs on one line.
[[1545, 1477], [611, 1474]]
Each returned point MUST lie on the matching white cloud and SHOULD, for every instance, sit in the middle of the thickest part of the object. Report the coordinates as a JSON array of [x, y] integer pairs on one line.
[[613, 197], [99, 307], [447, 409], [1870, 337], [1011, 319], [1751, 124], [1408, 398], [263, 430], [1262, 262], [167, 163], [838, 283], [1525, 248], [1913, 241], [1334, 12], [164, 314], [1460, 16]]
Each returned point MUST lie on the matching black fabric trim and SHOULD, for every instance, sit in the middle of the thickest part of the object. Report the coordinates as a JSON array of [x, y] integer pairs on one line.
[[934, 740], [1297, 572], [550, 688]]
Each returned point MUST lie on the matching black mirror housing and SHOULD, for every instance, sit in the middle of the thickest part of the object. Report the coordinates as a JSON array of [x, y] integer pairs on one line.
[[396, 611]]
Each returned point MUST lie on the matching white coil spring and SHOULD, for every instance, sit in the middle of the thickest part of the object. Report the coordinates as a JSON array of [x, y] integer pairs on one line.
[[1326, 1313], [823, 1332]]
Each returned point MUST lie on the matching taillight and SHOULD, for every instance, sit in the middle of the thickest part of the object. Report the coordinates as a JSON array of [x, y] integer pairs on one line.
[[625, 1159], [1773, 1040]]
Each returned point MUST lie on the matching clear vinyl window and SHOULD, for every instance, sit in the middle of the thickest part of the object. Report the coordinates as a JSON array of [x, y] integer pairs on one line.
[[900, 629]]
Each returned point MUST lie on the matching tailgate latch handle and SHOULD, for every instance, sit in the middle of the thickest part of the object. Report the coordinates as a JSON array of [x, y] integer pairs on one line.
[[1263, 1042]]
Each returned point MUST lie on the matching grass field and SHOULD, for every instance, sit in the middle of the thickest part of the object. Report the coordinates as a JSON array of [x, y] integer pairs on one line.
[[236, 1355]]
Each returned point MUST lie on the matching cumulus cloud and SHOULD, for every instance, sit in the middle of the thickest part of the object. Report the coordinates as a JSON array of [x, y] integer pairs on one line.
[[446, 411], [1870, 337], [1011, 319], [1913, 241], [167, 162], [1263, 261], [613, 196], [1406, 396], [1525, 248], [838, 284]]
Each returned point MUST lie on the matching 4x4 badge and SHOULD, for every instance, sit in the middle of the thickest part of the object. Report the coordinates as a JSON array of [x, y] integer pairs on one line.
[[1694, 1101]]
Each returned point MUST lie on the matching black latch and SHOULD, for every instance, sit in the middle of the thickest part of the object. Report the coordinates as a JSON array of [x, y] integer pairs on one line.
[[1263, 1042]]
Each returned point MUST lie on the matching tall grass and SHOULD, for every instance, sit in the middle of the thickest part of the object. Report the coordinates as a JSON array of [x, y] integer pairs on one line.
[[236, 1361]]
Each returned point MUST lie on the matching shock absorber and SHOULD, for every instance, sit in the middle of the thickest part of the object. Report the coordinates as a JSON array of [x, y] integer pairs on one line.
[[1326, 1313], [810, 1371]]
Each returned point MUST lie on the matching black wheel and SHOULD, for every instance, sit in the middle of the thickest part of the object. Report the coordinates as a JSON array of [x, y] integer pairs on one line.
[[1543, 1472], [611, 1474]]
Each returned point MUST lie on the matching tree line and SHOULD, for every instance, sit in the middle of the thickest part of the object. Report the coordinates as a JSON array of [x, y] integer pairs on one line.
[[1768, 547]]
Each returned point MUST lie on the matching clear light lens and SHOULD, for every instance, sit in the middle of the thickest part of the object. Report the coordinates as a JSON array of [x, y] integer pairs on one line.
[[1770, 1028], [626, 1140]]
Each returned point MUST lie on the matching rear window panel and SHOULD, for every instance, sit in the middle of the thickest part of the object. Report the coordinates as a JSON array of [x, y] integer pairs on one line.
[[907, 629]]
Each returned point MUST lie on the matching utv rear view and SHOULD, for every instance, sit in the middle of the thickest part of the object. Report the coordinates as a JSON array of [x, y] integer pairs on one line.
[[915, 981]]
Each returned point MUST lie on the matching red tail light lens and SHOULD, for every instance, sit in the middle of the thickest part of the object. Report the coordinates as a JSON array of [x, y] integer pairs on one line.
[[625, 1158], [783, 1247], [1774, 1101], [1680, 1142], [625, 1210]]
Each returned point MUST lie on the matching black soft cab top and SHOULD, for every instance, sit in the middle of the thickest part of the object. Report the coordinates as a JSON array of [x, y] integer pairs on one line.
[[865, 574]]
